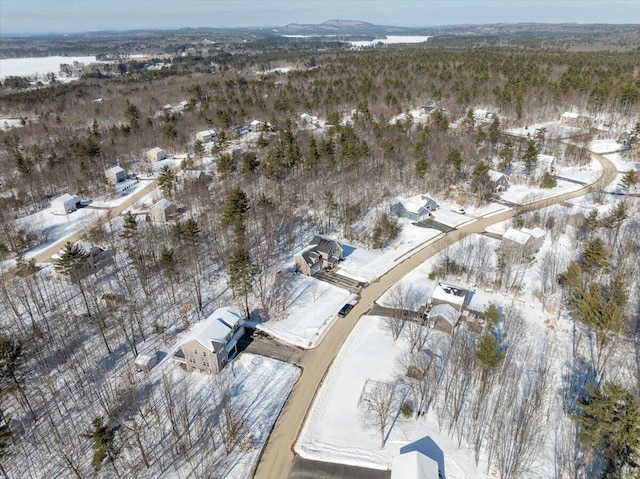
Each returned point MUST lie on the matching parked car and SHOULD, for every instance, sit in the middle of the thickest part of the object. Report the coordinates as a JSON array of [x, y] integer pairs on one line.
[[458, 209], [345, 310]]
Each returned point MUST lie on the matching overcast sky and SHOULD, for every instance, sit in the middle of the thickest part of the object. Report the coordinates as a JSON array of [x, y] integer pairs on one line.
[[63, 16]]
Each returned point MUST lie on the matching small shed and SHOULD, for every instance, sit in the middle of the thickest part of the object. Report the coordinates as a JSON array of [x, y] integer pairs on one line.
[[206, 136], [414, 465], [65, 204], [116, 174], [145, 362], [256, 125], [162, 211], [156, 154]]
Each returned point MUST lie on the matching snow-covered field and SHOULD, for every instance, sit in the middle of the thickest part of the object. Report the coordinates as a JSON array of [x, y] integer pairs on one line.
[[605, 146], [366, 265], [313, 309], [389, 40], [335, 430], [38, 66], [554, 130], [55, 227], [623, 165], [8, 123], [524, 194], [583, 174]]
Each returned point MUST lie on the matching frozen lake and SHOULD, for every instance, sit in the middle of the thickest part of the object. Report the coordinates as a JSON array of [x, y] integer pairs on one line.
[[37, 66]]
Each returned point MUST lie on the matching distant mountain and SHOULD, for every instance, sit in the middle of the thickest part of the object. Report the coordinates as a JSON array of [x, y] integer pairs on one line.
[[343, 27]]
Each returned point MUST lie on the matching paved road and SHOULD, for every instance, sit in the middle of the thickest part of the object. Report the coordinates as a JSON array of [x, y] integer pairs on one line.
[[277, 457], [306, 469], [45, 255]]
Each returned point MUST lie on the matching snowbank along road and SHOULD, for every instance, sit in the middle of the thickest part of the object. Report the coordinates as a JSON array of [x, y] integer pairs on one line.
[[277, 457]]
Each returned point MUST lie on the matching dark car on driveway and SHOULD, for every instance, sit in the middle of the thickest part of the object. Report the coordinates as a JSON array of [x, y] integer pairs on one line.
[[345, 310]]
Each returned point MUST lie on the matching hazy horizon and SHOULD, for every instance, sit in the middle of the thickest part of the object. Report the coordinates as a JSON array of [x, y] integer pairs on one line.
[[32, 17]]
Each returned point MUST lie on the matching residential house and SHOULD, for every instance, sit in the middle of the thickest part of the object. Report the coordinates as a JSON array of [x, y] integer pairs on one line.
[[526, 240], [163, 211], [499, 181], [116, 174], [576, 120], [546, 164], [212, 343], [145, 362], [96, 259], [205, 136], [446, 293], [321, 254], [156, 154], [65, 204], [444, 316], [414, 465], [416, 208], [192, 176]]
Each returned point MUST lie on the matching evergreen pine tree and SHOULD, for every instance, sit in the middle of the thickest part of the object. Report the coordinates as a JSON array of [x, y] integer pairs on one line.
[[595, 256], [103, 436], [530, 157]]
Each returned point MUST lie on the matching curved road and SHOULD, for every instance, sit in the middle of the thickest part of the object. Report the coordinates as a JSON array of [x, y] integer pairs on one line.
[[278, 455]]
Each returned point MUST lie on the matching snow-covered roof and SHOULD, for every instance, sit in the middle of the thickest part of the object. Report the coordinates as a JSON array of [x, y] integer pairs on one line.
[[414, 465], [215, 328], [516, 236], [256, 123], [496, 175], [145, 359], [64, 198], [116, 169], [163, 204], [536, 232], [546, 159], [449, 293], [415, 204], [157, 149], [207, 133], [446, 311], [569, 114]]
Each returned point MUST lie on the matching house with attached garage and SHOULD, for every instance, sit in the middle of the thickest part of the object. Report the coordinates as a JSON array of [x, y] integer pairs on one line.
[[65, 204], [527, 241], [163, 211], [212, 343], [416, 208], [205, 136], [451, 294], [322, 253], [444, 317], [156, 154]]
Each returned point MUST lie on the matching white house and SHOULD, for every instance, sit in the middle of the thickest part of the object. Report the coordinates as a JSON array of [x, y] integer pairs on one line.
[[546, 164], [499, 181], [65, 204], [205, 136], [528, 241], [414, 465], [416, 208], [116, 174], [156, 154], [212, 343]]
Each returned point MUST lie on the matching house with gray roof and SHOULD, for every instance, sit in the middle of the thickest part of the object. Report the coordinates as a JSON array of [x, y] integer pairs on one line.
[[416, 208], [322, 253]]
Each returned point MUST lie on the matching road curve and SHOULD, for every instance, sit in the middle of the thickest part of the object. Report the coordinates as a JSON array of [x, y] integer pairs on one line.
[[278, 455]]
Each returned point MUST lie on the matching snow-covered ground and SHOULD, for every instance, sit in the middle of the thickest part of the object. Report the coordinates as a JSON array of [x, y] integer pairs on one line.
[[583, 174], [55, 227], [313, 309], [335, 430], [389, 40], [524, 194], [605, 146], [554, 130], [622, 165], [366, 265], [450, 218], [8, 123], [39, 66]]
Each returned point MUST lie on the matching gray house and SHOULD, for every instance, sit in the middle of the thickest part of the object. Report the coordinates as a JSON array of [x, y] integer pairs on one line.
[[162, 211], [416, 208], [322, 253], [499, 181], [116, 174], [65, 204], [213, 343], [525, 240]]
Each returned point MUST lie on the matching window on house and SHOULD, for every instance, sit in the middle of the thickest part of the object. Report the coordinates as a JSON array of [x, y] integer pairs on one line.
[[204, 354], [195, 351], [192, 360], [206, 364]]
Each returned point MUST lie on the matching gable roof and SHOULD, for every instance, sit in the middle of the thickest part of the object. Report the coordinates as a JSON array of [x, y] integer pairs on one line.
[[536, 232], [450, 293], [445, 311], [496, 175], [162, 204], [116, 169], [325, 245], [157, 149], [414, 465], [417, 204], [215, 328], [65, 197], [516, 236]]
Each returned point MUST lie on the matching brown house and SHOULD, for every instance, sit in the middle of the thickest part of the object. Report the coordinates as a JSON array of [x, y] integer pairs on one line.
[[322, 253], [212, 343]]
